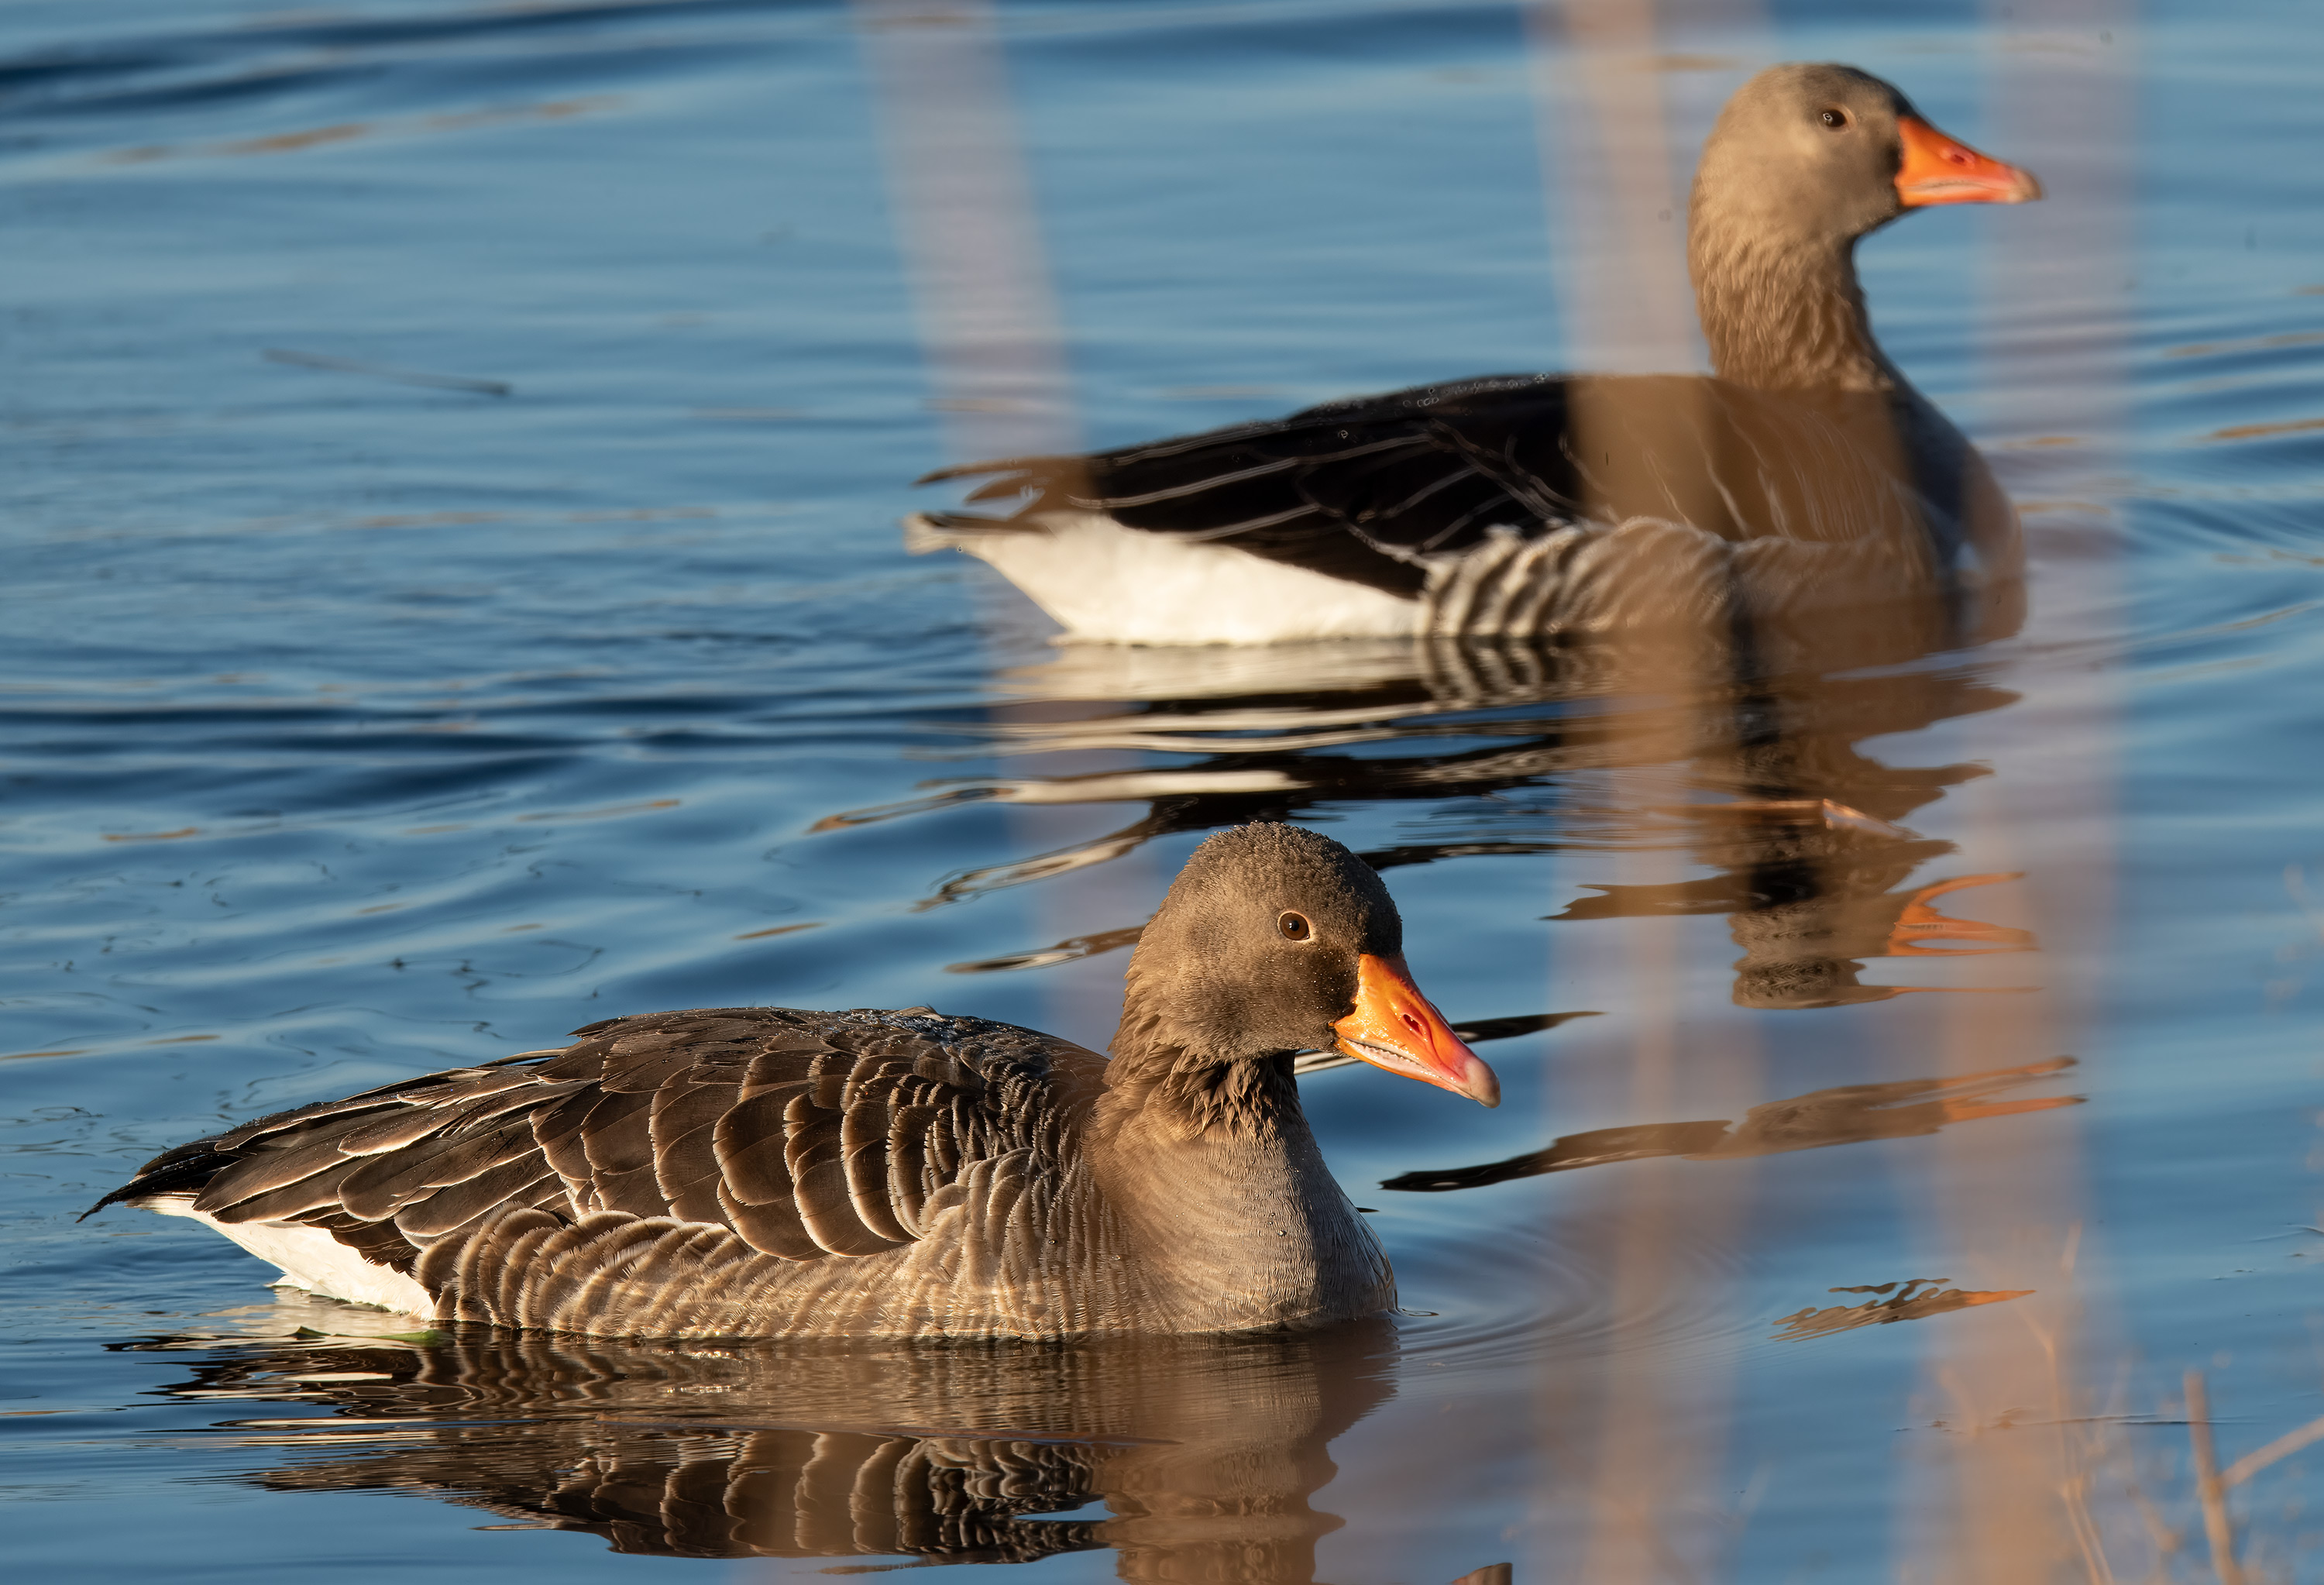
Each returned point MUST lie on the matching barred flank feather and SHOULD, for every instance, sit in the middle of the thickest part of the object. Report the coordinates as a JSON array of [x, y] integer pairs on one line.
[[660, 1172]]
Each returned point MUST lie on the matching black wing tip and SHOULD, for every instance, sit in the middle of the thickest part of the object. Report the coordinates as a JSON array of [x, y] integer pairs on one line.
[[127, 1191], [521, 1057], [666, 1016], [962, 522], [601, 1025], [1003, 464], [188, 1166]]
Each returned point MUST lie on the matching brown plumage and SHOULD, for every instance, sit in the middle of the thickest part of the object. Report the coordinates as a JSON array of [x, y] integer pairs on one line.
[[771, 1171], [1808, 476]]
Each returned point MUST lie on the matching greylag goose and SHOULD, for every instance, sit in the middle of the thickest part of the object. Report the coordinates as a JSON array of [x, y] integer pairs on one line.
[[766, 1172], [1807, 474]]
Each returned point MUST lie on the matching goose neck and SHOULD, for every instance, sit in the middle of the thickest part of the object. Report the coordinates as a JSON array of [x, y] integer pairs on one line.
[[1785, 317], [1178, 1093]]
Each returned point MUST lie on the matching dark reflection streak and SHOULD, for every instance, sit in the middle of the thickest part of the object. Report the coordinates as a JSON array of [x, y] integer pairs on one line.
[[1205, 1451], [1066, 951], [1809, 859], [969, 1433], [311, 360], [315, 30], [1916, 1299], [1475, 1031], [1848, 1114]]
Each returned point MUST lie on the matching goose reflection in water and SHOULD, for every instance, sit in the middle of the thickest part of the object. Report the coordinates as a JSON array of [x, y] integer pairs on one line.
[[1801, 832], [1205, 1451]]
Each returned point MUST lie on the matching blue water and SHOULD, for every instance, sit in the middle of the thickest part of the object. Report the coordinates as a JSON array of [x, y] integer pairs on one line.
[[356, 727]]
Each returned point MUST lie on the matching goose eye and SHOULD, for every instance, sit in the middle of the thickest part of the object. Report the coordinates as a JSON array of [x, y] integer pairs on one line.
[[1834, 119], [1295, 926]]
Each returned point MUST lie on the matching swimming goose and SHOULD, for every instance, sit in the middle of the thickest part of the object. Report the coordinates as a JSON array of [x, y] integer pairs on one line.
[[1807, 474], [767, 1172]]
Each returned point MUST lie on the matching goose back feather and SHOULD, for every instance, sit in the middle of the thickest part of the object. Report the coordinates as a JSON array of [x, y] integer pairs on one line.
[[637, 1181]]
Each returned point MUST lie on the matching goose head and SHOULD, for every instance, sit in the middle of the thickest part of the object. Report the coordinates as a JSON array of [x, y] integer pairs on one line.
[[1276, 939], [1819, 154]]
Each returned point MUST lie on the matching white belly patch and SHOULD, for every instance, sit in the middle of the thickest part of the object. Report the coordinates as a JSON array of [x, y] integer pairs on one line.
[[1129, 586], [310, 1259]]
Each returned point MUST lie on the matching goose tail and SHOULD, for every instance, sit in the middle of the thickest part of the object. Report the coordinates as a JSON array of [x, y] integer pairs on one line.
[[926, 531]]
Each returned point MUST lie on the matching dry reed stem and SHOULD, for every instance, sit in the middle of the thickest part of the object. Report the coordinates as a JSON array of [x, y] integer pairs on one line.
[[2282, 1447], [2076, 1452], [2166, 1540], [2216, 1526]]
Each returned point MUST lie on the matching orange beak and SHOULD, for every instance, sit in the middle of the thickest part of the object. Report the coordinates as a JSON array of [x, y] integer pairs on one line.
[[1395, 1028], [1938, 170]]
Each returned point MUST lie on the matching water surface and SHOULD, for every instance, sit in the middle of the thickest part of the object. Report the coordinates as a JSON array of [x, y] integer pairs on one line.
[[455, 596]]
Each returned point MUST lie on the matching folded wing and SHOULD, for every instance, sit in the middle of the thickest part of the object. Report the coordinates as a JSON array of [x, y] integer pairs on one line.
[[1372, 490], [806, 1136]]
